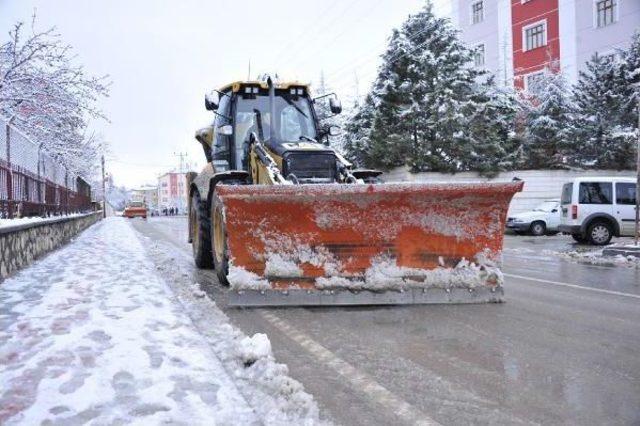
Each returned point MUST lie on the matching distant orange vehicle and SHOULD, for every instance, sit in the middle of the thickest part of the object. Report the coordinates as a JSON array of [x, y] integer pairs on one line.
[[135, 209]]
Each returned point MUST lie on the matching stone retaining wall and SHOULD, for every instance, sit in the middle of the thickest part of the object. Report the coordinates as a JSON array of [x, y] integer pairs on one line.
[[22, 244]]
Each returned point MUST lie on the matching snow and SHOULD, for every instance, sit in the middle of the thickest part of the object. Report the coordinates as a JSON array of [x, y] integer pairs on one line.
[[6, 223], [384, 274], [595, 257], [103, 332], [240, 278], [254, 348]]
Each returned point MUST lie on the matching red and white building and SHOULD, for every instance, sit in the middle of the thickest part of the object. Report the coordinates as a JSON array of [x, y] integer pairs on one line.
[[518, 39], [172, 191]]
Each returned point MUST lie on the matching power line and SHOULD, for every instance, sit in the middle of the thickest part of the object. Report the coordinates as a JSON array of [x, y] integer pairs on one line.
[[294, 41], [351, 26]]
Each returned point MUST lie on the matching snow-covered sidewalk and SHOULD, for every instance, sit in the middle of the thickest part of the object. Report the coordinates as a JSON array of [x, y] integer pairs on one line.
[[92, 333]]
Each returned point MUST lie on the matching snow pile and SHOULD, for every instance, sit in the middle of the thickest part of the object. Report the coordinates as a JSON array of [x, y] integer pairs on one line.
[[251, 349], [595, 257], [385, 274], [276, 398], [239, 279]]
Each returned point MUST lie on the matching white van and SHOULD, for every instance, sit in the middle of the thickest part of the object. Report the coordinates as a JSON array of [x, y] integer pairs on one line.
[[596, 209]]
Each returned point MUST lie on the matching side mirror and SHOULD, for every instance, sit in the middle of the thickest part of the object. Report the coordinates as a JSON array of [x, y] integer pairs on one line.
[[226, 130], [335, 105], [554, 211], [335, 130], [211, 101]]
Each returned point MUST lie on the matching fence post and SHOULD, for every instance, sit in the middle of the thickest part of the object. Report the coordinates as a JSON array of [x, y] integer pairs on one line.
[[40, 202], [10, 170]]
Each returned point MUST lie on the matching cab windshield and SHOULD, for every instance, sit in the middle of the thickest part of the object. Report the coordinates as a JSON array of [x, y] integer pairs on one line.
[[293, 118]]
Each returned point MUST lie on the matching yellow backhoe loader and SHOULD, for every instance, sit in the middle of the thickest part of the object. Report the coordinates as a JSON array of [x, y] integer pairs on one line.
[[286, 220]]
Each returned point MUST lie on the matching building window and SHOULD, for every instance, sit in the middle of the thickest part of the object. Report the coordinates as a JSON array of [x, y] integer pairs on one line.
[[606, 12], [478, 56], [533, 81], [535, 35], [477, 12]]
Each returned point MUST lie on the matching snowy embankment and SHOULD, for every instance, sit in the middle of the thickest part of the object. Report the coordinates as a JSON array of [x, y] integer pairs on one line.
[[94, 333], [7, 223]]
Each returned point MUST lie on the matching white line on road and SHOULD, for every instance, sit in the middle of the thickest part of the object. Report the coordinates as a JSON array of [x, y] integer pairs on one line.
[[358, 379], [597, 290]]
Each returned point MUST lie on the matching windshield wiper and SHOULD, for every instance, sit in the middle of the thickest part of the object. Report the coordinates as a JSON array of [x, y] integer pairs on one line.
[[307, 138], [290, 102]]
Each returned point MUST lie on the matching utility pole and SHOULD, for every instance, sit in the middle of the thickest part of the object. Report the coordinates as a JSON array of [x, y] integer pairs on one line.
[[104, 191], [182, 156]]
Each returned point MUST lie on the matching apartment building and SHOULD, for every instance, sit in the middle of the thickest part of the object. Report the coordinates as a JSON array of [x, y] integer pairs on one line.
[[172, 191], [517, 39]]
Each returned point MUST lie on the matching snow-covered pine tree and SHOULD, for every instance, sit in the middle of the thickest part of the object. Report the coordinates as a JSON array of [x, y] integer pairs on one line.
[[390, 137], [549, 119], [325, 117], [357, 132], [604, 123], [429, 101], [631, 64], [494, 146]]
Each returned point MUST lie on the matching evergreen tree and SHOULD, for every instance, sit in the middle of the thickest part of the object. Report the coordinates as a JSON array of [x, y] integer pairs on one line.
[[325, 117], [430, 104], [357, 130], [491, 131], [549, 119], [606, 119]]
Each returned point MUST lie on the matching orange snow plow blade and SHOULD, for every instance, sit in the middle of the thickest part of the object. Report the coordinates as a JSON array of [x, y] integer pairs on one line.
[[365, 244]]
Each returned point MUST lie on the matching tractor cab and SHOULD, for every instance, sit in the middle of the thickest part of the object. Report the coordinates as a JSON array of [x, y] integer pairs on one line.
[[281, 116]]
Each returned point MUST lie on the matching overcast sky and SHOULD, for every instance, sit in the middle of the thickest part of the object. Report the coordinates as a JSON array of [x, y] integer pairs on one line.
[[162, 56]]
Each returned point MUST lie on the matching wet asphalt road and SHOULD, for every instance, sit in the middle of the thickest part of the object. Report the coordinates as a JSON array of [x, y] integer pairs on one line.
[[557, 352]]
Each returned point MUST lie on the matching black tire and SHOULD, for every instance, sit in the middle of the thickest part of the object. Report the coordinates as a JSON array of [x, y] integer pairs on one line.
[[600, 233], [579, 238], [219, 242], [538, 228], [200, 233]]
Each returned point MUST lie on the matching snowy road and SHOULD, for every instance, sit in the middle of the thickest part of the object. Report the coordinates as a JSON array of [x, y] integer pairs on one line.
[[563, 349]]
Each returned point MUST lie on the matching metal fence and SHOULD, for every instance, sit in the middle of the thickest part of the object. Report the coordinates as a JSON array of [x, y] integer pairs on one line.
[[34, 184]]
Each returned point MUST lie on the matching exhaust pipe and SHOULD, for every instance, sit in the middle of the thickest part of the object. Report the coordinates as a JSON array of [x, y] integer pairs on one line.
[[272, 111]]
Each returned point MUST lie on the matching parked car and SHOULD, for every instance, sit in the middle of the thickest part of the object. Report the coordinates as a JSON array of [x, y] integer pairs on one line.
[[595, 209], [135, 209], [539, 221]]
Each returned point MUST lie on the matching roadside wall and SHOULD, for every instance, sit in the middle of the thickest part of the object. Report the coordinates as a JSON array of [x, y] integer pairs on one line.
[[539, 185], [22, 244]]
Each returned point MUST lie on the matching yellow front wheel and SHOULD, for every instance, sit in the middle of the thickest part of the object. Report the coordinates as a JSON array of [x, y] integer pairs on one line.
[[219, 242]]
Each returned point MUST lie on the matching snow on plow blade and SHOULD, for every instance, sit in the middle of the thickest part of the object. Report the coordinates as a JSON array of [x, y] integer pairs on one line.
[[365, 244]]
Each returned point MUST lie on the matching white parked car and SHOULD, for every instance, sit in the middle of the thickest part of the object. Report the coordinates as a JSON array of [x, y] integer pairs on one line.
[[598, 208], [539, 221]]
